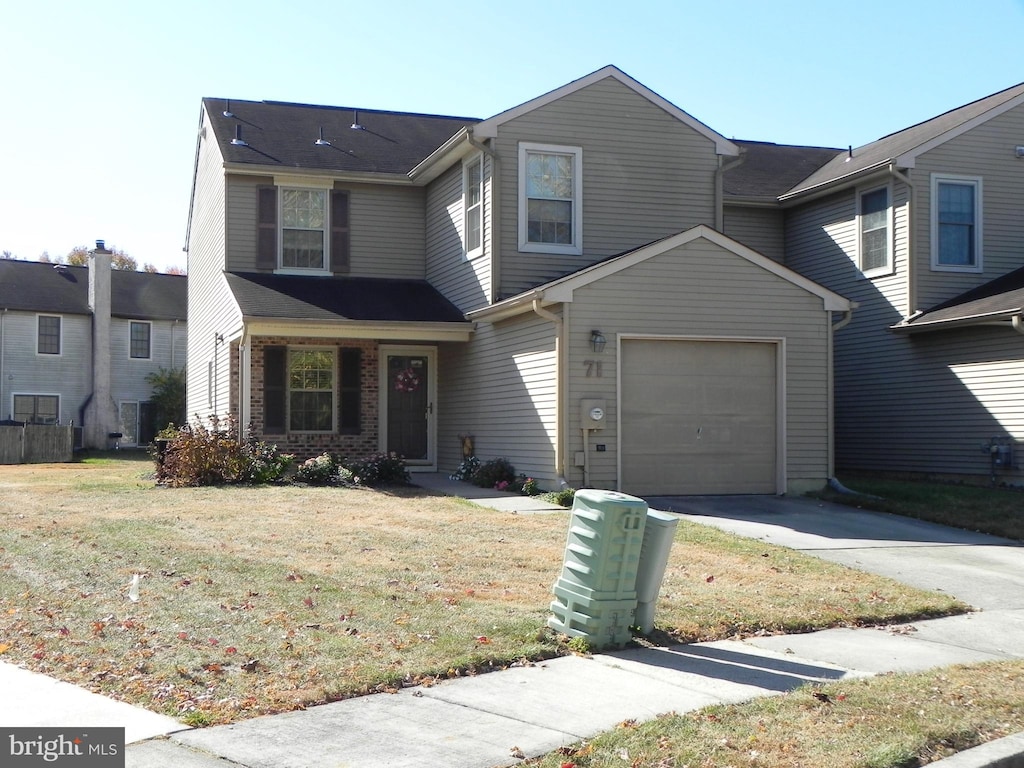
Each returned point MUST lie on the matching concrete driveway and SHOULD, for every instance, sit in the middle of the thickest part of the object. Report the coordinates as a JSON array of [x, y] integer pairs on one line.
[[986, 572]]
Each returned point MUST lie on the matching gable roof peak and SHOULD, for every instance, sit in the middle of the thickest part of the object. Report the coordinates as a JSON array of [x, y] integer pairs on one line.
[[489, 127]]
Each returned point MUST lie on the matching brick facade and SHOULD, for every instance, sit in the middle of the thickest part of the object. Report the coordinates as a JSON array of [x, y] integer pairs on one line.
[[307, 445]]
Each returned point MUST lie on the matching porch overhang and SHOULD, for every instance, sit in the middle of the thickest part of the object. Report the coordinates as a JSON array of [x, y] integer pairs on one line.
[[344, 329]]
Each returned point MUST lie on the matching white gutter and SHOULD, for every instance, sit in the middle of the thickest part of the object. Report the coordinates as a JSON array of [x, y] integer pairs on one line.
[[560, 354], [827, 186]]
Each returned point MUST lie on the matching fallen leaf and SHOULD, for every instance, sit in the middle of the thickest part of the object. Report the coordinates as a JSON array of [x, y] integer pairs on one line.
[[517, 752], [709, 579], [483, 639], [5, 647], [231, 650]]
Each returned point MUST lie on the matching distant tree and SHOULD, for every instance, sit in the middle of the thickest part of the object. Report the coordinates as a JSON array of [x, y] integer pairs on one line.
[[45, 258], [150, 268], [78, 256], [168, 397], [6, 255], [175, 271], [121, 260]]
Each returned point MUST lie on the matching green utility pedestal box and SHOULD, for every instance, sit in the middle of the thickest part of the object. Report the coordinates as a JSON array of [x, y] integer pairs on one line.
[[595, 595]]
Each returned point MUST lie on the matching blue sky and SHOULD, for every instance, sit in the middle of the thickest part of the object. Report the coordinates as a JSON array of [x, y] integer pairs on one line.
[[100, 100]]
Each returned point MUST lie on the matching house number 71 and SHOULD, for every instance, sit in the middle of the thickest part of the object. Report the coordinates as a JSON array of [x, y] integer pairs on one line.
[[593, 368]]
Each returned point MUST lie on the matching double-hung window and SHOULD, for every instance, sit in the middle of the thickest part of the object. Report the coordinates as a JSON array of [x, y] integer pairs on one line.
[[956, 223], [550, 199], [304, 229], [139, 340], [48, 334], [473, 206], [875, 231], [310, 390]]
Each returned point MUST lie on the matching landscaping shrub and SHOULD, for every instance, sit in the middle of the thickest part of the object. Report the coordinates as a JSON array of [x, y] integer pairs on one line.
[[198, 454], [379, 469], [469, 465], [563, 497], [320, 470], [491, 473]]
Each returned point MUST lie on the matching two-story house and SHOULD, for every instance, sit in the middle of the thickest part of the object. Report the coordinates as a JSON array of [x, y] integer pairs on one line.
[[550, 285], [77, 343], [923, 229]]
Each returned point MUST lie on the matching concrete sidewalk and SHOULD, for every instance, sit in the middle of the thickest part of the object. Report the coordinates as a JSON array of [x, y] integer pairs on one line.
[[495, 719]]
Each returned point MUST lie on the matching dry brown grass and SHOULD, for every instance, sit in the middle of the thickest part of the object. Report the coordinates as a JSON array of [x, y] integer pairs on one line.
[[257, 600]]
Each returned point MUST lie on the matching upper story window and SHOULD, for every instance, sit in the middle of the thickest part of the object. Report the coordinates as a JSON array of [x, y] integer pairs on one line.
[[37, 409], [302, 229], [473, 206], [139, 340], [956, 223], [550, 199], [48, 334], [875, 232]]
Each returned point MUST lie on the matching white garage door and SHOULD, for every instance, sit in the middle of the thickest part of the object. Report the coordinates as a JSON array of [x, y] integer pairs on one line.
[[698, 417]]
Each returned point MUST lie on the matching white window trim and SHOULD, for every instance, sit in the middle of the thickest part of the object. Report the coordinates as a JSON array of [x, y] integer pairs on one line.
[[314, 185], [60, 341], [975, 181], [889, 267], [466, 165], [576, 248], [334, 391], [140, 322]]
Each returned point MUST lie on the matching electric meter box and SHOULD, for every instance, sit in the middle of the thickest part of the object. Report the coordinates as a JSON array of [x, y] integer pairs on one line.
[[595, 595], [593, 413]]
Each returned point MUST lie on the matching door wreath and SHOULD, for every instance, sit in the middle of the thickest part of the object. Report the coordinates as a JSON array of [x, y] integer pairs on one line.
[[407, 380]]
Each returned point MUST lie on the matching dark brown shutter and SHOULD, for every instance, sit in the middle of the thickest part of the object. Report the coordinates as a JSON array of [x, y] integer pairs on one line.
[[339, 232], [350, 379], [275, 389], [266, 235]]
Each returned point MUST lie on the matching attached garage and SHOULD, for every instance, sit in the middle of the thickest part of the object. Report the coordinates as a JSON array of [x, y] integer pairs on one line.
[[699, 416], [714, 375]]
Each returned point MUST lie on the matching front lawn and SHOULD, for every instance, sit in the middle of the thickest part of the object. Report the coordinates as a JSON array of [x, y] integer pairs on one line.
[[266, 599]]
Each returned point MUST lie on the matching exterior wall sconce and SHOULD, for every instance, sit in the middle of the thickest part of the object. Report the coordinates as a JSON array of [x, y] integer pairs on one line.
[[597, 341]]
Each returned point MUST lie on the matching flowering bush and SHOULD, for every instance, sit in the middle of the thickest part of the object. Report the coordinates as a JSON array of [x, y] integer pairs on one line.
[[320, 470], [469, 465], [492, 472], [379, 469]]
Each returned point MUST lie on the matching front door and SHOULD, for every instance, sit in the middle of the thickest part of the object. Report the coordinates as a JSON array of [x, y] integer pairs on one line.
[[408, 408]]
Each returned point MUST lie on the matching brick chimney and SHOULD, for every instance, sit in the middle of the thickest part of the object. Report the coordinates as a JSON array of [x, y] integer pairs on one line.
[[101, 414]]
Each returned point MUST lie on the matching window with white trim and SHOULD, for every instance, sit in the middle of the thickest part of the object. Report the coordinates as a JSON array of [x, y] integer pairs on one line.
[[473, 206], [875, 231], [311, 390], [37, 409], [550, 199], [304, 229], [139, 340], [48, 334], [956, 223]]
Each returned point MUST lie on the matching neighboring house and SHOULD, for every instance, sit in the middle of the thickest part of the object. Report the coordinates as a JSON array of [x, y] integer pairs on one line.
[[76, 345], [549, 285], [924, 230]]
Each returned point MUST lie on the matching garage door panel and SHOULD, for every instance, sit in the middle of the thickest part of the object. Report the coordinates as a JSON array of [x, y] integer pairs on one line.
[[698, 417]]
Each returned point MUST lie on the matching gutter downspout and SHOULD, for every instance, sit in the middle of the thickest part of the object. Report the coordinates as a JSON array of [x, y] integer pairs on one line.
[[495, 239], [838, 326], [911, 260], [560, 351], [244, 406], [2, 401]]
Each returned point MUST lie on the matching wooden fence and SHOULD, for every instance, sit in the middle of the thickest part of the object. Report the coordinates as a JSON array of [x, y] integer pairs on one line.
[[36, 443]]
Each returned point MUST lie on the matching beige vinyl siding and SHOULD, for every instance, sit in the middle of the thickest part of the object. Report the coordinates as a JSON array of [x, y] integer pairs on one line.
[[645, 175], [466, 283], [27, 373], [501, 387], [758, 228], [987, 151], [210, 306], [386, 236], [700, 290]]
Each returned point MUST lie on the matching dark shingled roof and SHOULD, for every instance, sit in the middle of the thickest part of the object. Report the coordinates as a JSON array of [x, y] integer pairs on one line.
[[34, 286], [1002, 297], [769, 170], [366, 299], [892, 146], [285, 135]]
